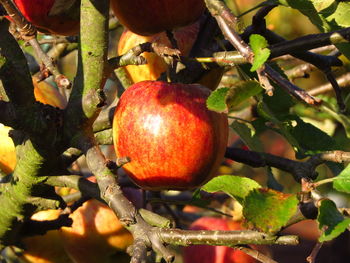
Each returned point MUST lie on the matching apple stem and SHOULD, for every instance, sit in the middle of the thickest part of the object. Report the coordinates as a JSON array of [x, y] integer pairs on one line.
[[28, 33], [26, 29], [172, 39], [120, 161]]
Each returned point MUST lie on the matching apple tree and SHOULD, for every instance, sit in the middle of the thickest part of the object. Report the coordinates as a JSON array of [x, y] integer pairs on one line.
[[240, 107]]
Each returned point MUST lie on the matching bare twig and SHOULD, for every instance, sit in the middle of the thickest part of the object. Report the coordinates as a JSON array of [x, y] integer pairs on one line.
[[301, 171], [300, 71], [223, 238], [343, 81], [312, 257], [27, 30], [28, 33], [226, 21], [318, 50], [336, 89], [332, 156], [311, 41], [256, 254]]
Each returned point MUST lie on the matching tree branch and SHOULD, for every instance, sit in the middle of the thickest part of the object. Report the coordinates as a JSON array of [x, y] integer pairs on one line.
[[227, 21], [223, 238], [14, 72]]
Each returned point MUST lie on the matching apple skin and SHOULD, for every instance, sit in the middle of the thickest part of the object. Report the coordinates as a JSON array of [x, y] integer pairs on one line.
[[173, 140], [47, 248], [185, 37], [7, 150], [37, 12], [215, 254], [96, 233], [148, 17]]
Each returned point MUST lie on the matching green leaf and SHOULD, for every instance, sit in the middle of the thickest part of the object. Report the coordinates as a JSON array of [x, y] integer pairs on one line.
[[217, 100], [311, 139], [259, 47], [326, 15], [235, 186], [280, 103], [282, 127], [247, 135], [223, 99], [339, 13], [305, 138], [269, 210], [342, 182], [241, 92], [342, 118], [331, 220]]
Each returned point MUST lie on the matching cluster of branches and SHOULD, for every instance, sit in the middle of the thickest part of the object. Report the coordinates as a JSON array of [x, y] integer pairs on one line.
[[48, 140]]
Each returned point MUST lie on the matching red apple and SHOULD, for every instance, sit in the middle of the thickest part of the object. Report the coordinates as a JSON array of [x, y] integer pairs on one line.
[[172, 139], [215, 254], [50, 16], [185, 38], [306, 229], [148, 17]]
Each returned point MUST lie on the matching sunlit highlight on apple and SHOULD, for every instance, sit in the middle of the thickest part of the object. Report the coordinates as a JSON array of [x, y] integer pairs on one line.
[[153, 123]]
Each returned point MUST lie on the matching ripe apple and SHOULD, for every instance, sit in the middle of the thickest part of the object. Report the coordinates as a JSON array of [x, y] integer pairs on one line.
[[46, 248], [185, 37], [306, 229], [7, 150], [51, 16], [148, 17], [96, 234], [172, 139], [215, 254], [45, 93]]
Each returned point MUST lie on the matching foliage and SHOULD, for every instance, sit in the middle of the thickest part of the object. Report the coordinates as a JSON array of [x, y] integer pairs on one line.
[[299, 142]]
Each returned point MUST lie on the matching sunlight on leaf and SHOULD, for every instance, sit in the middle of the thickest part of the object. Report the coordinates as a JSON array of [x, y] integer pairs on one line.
[[217, 100], [235, 186], [342, 182], [269, 210], [259, 47]]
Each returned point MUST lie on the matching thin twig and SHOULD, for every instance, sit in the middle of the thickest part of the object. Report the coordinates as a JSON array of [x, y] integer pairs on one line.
[[312, 257], [343, 81], [256, 254], [300, 71], [28, 33], [336, 88], [311, 41], [223, 238], [226, 21]]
